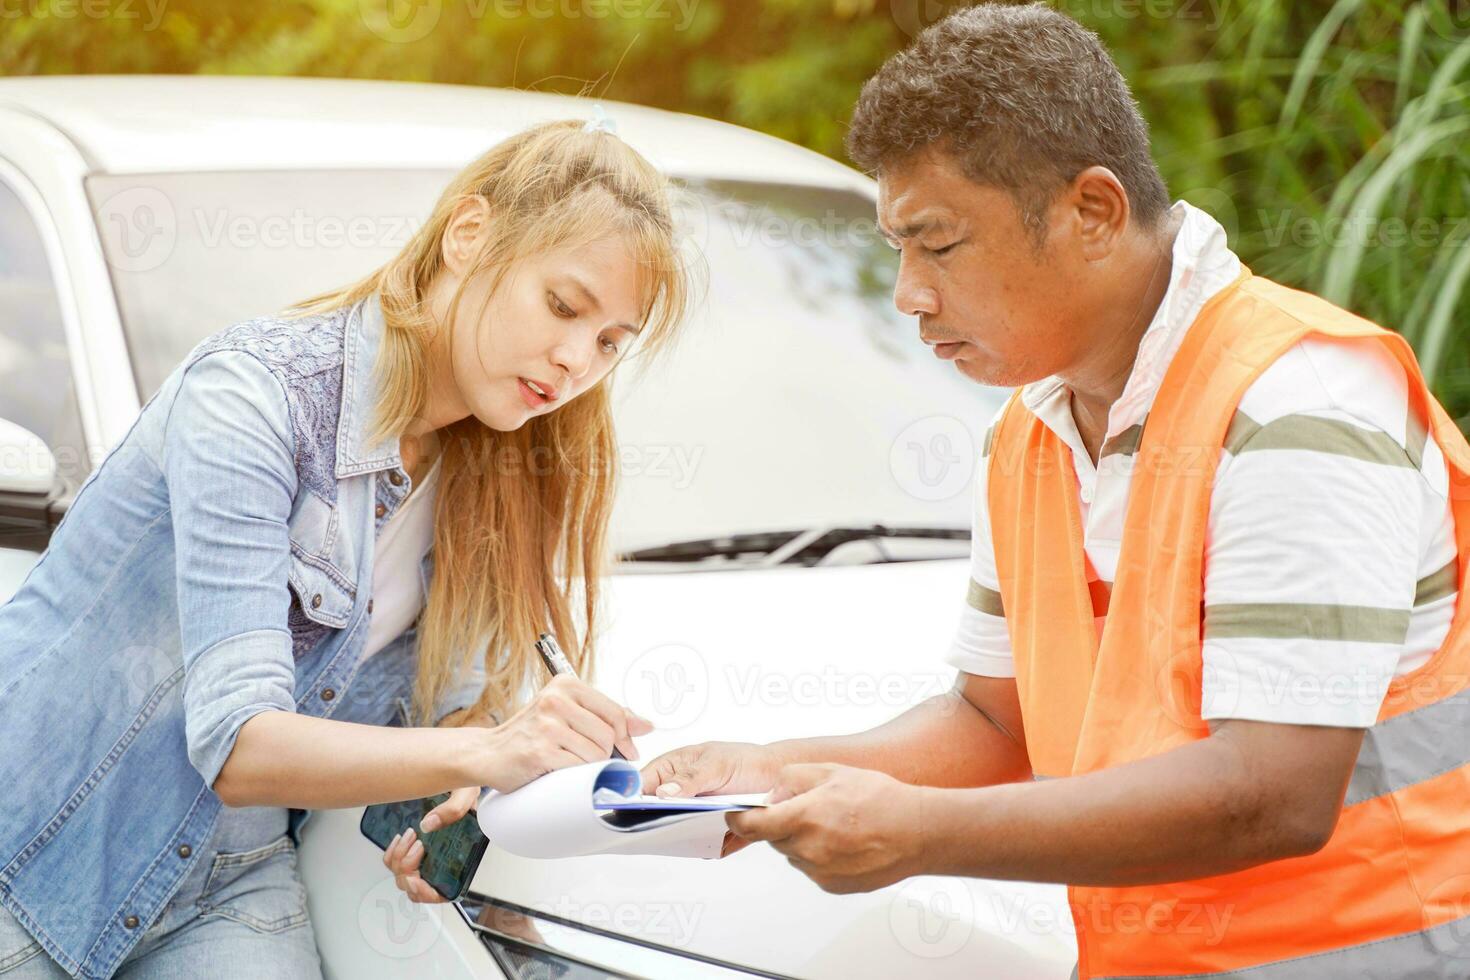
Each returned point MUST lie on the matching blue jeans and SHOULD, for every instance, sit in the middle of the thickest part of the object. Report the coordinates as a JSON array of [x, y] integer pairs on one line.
[[240, 913]]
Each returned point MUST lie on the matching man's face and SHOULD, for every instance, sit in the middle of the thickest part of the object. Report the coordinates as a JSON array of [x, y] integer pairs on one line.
[[986, 299]]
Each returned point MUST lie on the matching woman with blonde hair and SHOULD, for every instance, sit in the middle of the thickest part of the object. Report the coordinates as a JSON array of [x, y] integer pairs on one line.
[[312, 573]]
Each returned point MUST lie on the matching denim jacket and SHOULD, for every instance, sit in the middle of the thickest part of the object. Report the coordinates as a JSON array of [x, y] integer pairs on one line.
[[217, 564]]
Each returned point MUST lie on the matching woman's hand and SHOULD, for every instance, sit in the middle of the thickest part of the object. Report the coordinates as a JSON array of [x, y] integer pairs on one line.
[[567, 723], [406, 851]]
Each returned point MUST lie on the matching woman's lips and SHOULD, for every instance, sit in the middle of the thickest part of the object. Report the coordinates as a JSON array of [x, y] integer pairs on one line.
[[530, 397], [946, 351]]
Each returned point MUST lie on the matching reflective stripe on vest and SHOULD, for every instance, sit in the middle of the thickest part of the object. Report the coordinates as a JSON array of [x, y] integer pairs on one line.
[[1441, 952], [1389, 893]]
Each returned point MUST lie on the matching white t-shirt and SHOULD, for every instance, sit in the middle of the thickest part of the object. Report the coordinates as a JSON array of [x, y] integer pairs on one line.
[[398, 591], [1329, 556]]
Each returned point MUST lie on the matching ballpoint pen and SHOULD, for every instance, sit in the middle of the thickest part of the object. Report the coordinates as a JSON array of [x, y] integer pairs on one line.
[[558, 664]]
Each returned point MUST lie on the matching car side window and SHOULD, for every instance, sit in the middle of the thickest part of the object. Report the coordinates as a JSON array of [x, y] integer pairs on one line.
[[37, 390]]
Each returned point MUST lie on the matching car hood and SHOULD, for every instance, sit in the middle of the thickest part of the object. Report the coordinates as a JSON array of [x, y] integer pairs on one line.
[[759, 655]]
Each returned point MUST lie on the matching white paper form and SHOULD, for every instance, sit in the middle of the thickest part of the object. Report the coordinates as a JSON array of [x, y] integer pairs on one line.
[[597, 808]]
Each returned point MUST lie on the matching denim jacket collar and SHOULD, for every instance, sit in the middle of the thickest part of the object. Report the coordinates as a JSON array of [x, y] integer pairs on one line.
[[364, 338]]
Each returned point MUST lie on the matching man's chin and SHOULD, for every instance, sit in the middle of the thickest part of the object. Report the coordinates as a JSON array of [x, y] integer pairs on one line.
[[990, 373]]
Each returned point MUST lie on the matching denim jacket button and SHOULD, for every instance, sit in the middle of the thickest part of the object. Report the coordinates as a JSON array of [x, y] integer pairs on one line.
[[370, 605], [380, 510], [395, 479], [316, 601], [328, 694], [131, 922], [185, 850]]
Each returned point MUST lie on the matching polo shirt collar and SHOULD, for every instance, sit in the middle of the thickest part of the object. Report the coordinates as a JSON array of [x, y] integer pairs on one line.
[[1202, 265]]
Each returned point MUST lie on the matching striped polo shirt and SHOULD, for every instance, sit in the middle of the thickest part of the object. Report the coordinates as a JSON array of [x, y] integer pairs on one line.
[[1330, 553]]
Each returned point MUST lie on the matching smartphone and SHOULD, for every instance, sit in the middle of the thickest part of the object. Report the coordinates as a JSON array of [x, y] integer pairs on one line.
[[451, 854]]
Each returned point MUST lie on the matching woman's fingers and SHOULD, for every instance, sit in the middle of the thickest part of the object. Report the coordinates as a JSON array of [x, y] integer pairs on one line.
[[450, 810], [610, 713], [591, 727], [404, 856], [580, 746]]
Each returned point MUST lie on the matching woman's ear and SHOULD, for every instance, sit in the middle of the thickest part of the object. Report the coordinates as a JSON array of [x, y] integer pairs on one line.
[[464, 234]]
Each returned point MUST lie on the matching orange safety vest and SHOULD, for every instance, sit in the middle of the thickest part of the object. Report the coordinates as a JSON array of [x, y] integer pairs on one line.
[[1389, 894]]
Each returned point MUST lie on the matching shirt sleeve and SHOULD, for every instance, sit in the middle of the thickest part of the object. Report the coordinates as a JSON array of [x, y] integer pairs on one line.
[[982, 643], [466, 690], [228, 463], [1310, 569]]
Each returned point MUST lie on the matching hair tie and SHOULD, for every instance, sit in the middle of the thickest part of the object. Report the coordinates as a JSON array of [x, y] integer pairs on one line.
[[600, 122]]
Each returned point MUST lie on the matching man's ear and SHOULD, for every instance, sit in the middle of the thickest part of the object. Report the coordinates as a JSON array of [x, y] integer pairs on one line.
[[1100, 210], [464, 234]]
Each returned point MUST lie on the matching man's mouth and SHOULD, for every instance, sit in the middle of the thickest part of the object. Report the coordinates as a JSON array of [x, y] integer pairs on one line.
[[947, 350]]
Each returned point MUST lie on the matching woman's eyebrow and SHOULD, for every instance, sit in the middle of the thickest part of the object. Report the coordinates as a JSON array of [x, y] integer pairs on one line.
[[596, 303]]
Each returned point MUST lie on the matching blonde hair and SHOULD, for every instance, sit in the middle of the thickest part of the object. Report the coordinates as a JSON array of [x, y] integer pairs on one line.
[[515, 556]]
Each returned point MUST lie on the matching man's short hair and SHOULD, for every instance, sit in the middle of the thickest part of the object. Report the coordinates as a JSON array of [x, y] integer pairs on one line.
[[1026, 98]]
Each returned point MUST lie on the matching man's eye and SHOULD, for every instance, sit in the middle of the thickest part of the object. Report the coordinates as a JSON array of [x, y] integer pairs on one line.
[[946, 248], [560, 308]]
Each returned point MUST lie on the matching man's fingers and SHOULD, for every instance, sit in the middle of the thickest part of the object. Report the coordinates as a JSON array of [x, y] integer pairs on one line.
[[770, 823], [800, 778], [733, 842], [666, 769]]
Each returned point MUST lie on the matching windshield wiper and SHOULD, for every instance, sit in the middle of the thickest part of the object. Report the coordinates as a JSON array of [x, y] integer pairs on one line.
[[810, 546]]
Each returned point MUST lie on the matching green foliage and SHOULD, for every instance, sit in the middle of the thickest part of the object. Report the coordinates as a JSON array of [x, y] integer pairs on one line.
[[1331, 137]]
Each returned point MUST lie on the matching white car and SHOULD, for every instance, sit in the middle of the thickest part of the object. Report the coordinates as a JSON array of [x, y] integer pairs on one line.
[[795, 507]]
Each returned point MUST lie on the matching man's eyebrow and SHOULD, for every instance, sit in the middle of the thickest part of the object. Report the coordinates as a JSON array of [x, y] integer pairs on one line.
[[913, 229], [596, 303]]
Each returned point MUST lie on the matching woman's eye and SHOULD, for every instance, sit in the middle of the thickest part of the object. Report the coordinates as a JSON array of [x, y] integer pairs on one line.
[[608, 347], [559, 308]]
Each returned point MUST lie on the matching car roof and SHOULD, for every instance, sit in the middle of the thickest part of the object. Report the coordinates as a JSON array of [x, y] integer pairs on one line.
[[193, 123]]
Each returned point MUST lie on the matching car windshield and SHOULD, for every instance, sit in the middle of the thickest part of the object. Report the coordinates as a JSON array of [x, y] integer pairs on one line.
[[797, 399]]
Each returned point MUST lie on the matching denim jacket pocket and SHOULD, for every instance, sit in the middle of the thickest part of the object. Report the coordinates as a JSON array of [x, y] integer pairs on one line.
[[260, 888], [325, 595]]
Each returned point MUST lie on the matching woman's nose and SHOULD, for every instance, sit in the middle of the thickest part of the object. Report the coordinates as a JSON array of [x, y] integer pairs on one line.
[[574, 357]]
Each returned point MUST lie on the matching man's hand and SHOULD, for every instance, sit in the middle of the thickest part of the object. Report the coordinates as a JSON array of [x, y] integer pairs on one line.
[[849, 830], [712, 767]]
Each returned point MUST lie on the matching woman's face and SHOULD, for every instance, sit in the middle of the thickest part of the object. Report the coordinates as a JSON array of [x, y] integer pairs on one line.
[[556, 325]]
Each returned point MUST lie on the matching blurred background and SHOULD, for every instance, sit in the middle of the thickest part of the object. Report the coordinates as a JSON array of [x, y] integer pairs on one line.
[[1331, 139]]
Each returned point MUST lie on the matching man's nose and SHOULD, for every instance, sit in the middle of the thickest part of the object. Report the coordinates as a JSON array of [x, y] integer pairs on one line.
[[912, 295]]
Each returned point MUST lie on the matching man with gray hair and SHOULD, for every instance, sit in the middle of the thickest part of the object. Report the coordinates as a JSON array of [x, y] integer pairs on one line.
[[1212, 664]]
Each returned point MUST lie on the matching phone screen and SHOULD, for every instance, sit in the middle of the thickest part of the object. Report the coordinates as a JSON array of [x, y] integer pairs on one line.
[[451, 854]]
